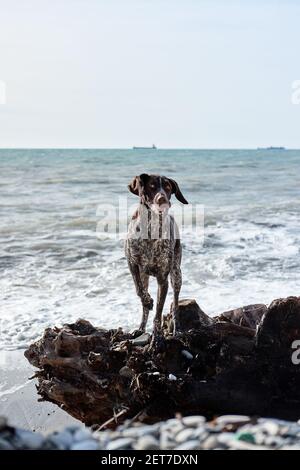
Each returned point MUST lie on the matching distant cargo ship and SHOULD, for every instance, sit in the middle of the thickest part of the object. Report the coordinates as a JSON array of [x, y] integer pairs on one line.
[[145, 148], [271, 148]]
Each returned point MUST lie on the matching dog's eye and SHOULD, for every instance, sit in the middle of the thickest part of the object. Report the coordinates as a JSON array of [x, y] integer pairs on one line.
[[152, 185]]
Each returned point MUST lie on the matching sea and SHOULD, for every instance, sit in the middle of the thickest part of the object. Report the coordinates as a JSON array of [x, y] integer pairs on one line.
[[64, 213]]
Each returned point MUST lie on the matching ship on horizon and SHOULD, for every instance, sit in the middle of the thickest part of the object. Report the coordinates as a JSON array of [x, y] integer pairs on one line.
[[271, 148], [153, 147]]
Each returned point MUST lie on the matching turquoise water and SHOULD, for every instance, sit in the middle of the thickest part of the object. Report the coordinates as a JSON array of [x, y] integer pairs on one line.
[[55, 268]]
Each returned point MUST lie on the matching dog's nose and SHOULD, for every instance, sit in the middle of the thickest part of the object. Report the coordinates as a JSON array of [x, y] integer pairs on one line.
[[161, 199]]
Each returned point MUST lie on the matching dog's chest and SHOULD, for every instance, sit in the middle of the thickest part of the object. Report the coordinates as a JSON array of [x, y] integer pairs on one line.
[[149, 247], [153, 256]]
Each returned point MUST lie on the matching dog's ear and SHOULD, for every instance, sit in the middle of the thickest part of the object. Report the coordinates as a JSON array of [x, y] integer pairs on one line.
[[177, 192], [137, 184], [134, 186]]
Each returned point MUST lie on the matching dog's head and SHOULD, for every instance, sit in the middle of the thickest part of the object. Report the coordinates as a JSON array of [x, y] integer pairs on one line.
[[156, 191]]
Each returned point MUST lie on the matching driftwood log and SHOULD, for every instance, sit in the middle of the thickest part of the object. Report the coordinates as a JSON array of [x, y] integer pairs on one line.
[[238, 362]]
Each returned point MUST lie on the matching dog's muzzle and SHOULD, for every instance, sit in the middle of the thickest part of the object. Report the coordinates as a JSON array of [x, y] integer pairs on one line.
[[160, 203]]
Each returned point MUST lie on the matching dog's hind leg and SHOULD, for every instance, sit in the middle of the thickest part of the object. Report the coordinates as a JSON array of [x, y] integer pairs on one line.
[[145, 282], [176, 282], [162, 291]]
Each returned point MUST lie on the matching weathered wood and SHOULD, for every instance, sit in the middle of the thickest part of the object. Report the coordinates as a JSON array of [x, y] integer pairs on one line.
[[237, 362], [249, 316]]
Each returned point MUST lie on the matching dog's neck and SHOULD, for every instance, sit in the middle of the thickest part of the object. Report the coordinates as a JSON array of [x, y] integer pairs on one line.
[[154, 224], [145, 210]]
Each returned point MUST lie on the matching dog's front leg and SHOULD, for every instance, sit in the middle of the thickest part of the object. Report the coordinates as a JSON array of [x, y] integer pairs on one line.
[[162, 291], [141, 282]]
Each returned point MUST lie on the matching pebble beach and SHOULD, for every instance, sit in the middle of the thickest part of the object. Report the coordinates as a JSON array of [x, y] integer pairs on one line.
[[188, 433]]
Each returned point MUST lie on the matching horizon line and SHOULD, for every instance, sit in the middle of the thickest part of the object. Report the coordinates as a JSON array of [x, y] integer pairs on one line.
[[150, 148]]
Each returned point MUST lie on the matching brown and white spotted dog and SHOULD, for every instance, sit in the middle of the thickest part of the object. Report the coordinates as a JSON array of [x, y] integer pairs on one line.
[[153, 246]]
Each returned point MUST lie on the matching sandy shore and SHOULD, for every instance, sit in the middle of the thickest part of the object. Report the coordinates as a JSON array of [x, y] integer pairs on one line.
[[19, 399]]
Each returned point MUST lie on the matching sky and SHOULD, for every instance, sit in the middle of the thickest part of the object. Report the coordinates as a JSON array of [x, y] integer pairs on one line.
[[177, 73]]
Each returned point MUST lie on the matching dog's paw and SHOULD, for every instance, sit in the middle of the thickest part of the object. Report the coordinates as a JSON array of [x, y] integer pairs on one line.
[[147, 302]]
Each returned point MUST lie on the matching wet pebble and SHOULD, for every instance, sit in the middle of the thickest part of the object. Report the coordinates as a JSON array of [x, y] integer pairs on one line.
[[85, 445], [189, 445], [141, 340], [184, 435], [232, 419], [273, 441], [166, 440], [30, 440], [226, 438], [138, 431], [291, 447], [193, 421], [5, 445], [210, 443], [126, 372], [187, 354], [146, 443], [172, 377], [81, 434], [270, 427], [118, 444], [62, 440]]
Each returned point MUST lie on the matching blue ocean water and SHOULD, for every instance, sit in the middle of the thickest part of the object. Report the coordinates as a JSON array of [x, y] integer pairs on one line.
[[54, 268]]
